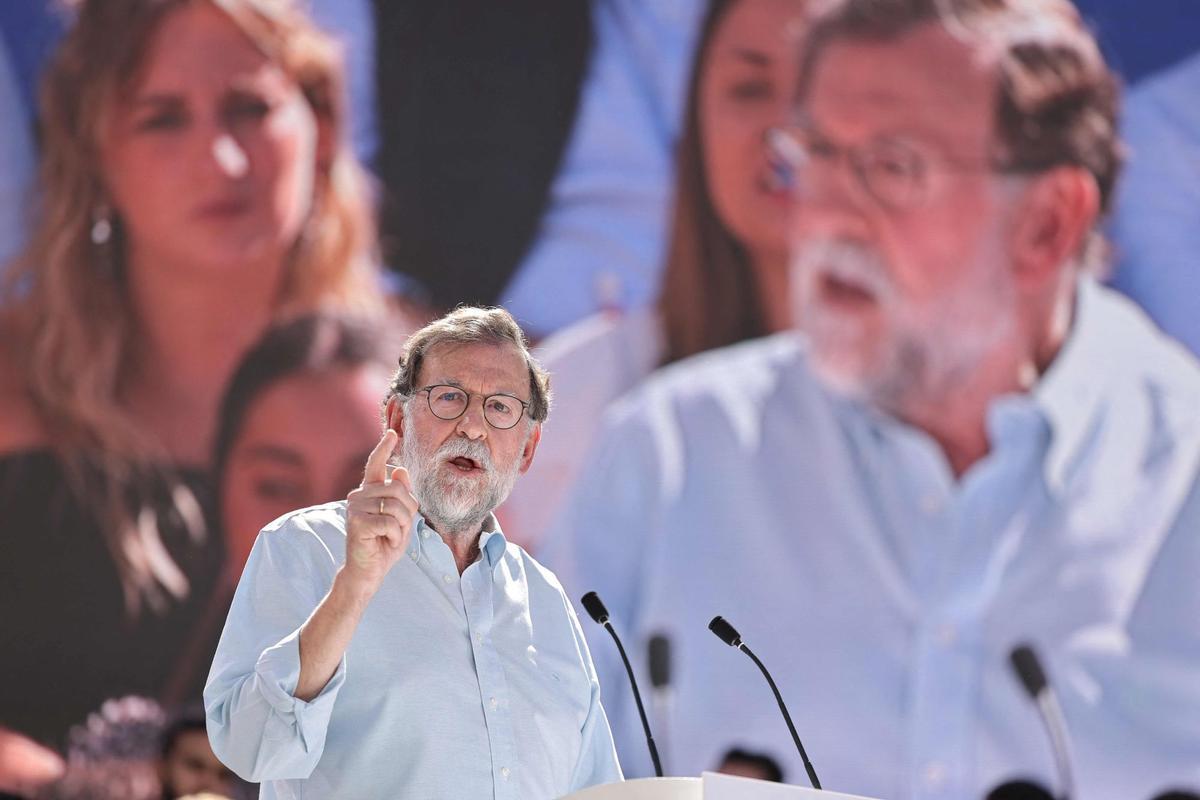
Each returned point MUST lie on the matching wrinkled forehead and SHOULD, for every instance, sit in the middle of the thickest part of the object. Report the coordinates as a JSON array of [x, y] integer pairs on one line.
[[477, 366], [926, 82]]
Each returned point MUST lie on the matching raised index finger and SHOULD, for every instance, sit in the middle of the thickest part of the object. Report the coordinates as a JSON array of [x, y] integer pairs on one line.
[[376, 470]]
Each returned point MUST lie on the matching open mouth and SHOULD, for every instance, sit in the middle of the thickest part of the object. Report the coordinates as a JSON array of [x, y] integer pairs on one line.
[[464, 464], [844, 292]]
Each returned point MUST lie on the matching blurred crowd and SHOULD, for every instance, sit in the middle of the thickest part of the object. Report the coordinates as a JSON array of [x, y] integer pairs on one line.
[[219, 220]]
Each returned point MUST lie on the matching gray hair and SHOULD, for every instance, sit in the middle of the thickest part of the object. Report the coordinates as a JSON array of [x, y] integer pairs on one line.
[[472, 325], [1057, 101]]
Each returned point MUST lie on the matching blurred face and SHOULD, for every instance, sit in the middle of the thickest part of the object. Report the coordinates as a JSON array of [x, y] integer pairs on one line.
[[191, 768], [747, 86], [902, 301], [745, 769], [210, 159], [464, 468], [303, 442]]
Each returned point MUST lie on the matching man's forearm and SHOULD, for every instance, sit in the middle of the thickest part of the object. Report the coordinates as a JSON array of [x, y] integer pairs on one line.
[[326, 635]]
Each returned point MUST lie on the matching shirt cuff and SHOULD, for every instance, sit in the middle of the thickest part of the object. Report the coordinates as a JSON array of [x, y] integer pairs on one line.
[[277, 673]]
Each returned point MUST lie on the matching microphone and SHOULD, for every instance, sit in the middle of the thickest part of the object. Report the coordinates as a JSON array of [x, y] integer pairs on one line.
[[729, 635], [1028, 669], [1019, 790], [1026, 790], [594, 606], [660, 661], [661, 696]]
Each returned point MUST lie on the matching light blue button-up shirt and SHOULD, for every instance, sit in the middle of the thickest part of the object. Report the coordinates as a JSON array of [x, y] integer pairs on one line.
[[884, 594], [477, 686], [601, 240], [1156, 222], [17, 163]]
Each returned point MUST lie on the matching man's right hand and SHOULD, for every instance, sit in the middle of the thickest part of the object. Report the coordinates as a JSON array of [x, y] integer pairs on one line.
[[379, 518]]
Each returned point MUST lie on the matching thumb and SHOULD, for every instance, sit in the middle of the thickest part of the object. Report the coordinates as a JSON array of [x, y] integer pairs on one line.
[[401, 474]]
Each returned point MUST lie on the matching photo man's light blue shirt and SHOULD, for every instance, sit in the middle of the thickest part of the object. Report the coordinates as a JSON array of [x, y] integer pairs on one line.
[[477, 686], [601, 241], [885, 594], [1156, 222], [17, 163]]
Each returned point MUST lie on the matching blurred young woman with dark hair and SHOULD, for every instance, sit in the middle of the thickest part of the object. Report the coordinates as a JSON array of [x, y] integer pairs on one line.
[[298, 419], [726, 273]]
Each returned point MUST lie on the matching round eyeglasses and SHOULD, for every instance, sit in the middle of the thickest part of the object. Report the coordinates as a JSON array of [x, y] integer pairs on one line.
[[502, 411], [895, 173]]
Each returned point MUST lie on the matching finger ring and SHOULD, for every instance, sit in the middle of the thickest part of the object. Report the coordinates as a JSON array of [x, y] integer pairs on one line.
[[381, 506]]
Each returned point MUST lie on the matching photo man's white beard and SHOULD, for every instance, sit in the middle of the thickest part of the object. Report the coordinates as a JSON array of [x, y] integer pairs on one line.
[[455, 505], [916, 353]]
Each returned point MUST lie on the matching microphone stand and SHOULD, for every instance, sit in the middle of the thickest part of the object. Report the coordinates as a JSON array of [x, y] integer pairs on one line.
[[729, 635], [596, 610]]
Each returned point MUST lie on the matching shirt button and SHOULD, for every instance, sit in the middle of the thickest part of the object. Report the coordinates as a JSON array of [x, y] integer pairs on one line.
[[414, 556], [934, 774], [446, 579], [504, 772], [424, 534], [931, 504], [946, 634], [492, 702], [479, 638]]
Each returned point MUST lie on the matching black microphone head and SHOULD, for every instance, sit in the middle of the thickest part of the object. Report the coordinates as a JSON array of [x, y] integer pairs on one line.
[[1020, 790], [594, 606], [725, 632], [1028, 668], [1177, 794], [660, 661]]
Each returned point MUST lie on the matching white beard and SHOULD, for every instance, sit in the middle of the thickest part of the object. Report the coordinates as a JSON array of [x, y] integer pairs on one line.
[[920, 353], [455, 505]]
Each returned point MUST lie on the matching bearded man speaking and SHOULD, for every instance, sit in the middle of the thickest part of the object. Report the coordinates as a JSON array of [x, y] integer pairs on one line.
[[394, 644], [970, 444]]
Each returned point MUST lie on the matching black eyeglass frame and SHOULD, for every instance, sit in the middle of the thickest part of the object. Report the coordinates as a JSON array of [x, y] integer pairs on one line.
[[428, 390]]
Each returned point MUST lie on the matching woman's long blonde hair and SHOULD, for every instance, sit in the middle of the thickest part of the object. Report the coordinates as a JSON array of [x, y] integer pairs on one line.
[[65, 301]]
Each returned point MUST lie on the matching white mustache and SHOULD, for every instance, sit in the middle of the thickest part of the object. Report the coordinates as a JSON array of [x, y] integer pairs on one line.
[[847, 261], [466, 448]]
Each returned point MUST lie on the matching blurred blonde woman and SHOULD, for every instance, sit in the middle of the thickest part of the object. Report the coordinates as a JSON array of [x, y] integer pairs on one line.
[[195, 186]]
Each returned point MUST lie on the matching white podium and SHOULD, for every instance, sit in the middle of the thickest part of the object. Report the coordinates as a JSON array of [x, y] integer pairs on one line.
[[643, 789], [712, 786]]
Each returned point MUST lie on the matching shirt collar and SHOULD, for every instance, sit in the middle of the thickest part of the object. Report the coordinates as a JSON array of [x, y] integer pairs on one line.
[[1070, 394], [492, 543]]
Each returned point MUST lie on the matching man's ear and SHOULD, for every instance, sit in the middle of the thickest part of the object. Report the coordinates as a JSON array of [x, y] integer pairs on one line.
[[393, 413], [531, 445], [1058, 212]]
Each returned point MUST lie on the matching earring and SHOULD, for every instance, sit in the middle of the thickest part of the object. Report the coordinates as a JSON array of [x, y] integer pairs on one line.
[[101, 224]]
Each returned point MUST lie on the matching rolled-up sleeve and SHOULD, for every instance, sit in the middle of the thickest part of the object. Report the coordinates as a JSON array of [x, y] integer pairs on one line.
[[256, 726]]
